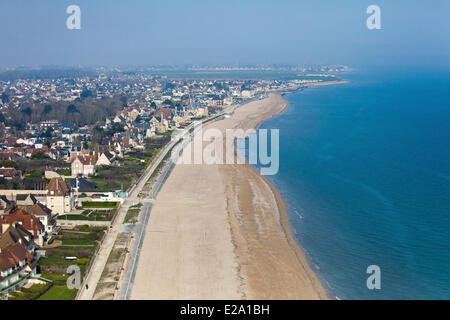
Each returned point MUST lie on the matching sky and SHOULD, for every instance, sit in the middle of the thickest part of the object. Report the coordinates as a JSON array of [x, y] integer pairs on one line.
[[233, 32]]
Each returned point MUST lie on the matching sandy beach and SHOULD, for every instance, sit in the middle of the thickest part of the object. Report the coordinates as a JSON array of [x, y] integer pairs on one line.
[[222, 232]]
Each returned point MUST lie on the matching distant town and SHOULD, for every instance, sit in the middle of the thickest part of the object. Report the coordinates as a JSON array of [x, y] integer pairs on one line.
[[74, 143]]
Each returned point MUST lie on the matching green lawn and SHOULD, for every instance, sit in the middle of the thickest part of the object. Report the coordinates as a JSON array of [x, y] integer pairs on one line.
[[73, 217], [100, 204], [64, 172], [57, 279], [59, 293], [163, 162], [167, 133], [89, 216], [80, 242]]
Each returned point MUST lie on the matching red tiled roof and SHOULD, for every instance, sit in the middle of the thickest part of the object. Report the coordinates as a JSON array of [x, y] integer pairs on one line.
[[38, 209], [59, 187], [15, 234], [9, 172], [28, 221], [11, 256], [166, 113], [87, 160]]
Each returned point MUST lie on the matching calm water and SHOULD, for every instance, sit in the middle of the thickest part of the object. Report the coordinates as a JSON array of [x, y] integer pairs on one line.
[[365, 171]]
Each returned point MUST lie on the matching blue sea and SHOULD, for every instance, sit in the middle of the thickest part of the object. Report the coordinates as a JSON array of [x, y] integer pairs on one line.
[[365, 172]]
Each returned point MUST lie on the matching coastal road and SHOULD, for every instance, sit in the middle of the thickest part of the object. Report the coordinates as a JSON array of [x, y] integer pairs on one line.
[[127, 281]]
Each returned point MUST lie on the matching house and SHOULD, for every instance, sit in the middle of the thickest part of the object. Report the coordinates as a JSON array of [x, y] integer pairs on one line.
[[133, 114], [28, 221], [118, 150], [160, 124], [76, 151], [23, 200], [246, 94], [44, 215], [59, 196], [150, 132], [5, 205], [17, 234], [164, 113], [16, 264], [84, 166], [104, 159]]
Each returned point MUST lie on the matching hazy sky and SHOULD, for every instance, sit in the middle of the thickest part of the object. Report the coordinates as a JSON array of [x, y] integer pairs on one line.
[[147, 32]]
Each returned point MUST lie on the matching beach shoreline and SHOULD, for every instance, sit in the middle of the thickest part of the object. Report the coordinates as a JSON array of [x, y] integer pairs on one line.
[[230, 237], [308, 286]]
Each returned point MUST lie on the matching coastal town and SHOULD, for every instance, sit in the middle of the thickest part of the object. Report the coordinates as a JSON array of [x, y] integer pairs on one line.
[[74, 146], [223, 159]]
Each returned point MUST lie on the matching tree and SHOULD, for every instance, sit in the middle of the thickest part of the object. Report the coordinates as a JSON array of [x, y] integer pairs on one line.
[[9, 164], [169, 86], [114, 128], [168, 102], [39, 156], [47, 109], [47, 133], [86, 93], [71, 108], [218, 85], [2, 117], [124, 100], [27, 112]]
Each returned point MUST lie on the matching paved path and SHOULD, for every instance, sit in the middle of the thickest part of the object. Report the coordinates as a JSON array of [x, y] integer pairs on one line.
[[127, 281], [102, 255]]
